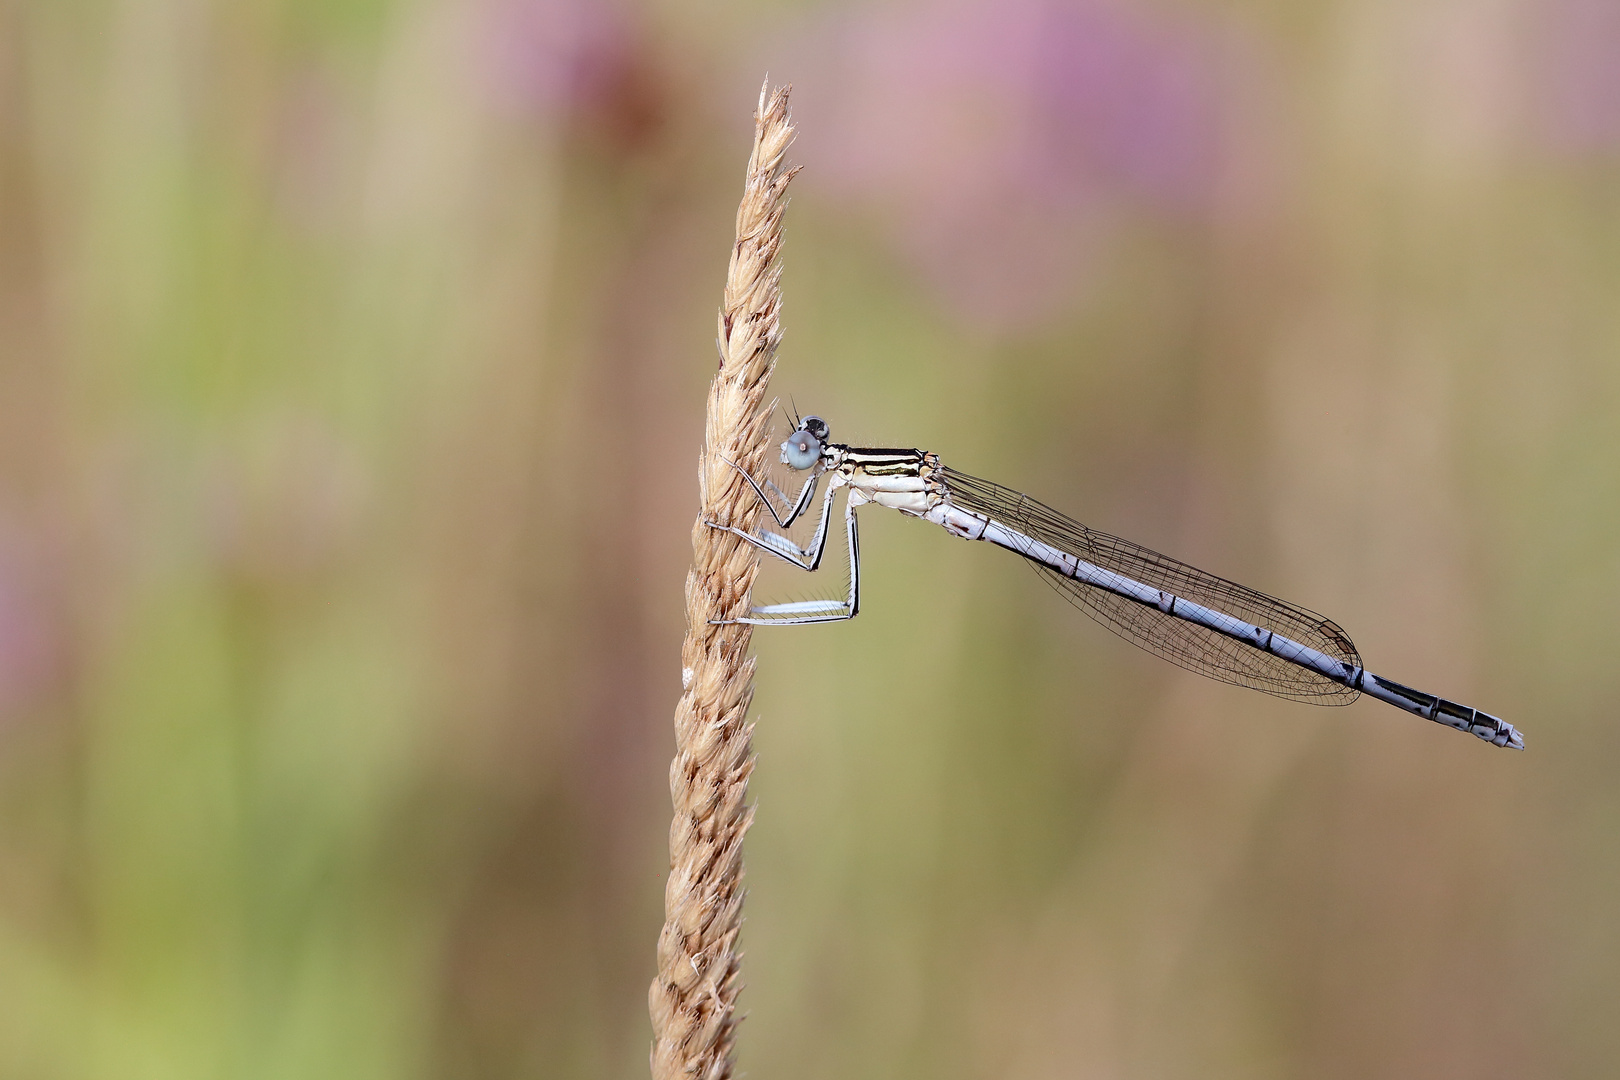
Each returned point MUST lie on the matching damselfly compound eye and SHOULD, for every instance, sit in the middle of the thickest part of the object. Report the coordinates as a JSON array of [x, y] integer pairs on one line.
[[801, 450], [816, 426]]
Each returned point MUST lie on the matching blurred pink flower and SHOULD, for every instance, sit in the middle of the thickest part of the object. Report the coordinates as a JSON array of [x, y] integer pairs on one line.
[[574, 59], [1131, 102], [1579, 74], [1004, 139]]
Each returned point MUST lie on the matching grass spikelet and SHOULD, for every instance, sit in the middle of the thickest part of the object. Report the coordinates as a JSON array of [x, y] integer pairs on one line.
[[693, 999]]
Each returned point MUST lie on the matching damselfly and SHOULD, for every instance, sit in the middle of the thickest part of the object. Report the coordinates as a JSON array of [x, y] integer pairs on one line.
[[1202, 622]]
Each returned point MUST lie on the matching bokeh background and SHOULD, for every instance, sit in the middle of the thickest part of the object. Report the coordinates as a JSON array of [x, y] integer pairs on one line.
[[352, 365]]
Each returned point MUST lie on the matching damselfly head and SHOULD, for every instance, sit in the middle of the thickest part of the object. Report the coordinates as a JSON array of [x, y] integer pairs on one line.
[[803, 448]]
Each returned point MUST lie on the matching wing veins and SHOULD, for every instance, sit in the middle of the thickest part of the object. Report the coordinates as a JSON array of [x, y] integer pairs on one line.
[[1188, 645]]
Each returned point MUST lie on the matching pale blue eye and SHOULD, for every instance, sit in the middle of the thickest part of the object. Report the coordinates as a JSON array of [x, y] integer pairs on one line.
[[801, 450]]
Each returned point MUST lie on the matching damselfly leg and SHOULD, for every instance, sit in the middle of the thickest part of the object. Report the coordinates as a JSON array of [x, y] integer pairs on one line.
[[796, 506], [803, 612], [807, 558]]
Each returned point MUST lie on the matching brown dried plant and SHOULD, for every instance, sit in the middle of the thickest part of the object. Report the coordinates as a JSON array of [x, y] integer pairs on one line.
[[694, 998]]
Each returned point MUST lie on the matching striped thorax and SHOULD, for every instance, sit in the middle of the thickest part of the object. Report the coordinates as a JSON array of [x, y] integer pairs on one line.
[[900, 479]]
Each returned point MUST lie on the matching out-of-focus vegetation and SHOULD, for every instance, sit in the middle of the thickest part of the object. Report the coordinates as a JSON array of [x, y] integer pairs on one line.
[[352, 357]]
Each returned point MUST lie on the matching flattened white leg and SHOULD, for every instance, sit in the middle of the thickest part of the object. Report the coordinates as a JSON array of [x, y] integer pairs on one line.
[[805, 612], [804, 558]]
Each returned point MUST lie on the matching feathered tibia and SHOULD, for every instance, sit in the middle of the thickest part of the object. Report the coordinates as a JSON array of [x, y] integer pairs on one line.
[[693, 1000]]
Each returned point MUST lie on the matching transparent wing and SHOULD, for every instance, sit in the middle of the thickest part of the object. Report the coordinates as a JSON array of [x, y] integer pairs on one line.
[[1194, 647]]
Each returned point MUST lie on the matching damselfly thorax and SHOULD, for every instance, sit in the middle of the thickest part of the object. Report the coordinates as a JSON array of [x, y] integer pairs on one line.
[[901, 480]]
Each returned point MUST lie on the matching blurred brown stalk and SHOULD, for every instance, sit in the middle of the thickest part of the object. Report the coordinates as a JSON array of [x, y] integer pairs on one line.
[[693, 999]]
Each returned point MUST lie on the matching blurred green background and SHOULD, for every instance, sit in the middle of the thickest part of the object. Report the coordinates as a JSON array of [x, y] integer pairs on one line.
[[352, 366]]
